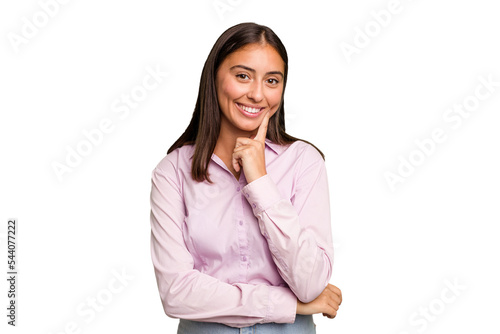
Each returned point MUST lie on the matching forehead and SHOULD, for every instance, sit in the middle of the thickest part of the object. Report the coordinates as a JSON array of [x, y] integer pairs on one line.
[[257, 56]]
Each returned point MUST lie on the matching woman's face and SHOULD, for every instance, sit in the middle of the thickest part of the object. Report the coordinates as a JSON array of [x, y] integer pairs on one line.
[[249, 82]]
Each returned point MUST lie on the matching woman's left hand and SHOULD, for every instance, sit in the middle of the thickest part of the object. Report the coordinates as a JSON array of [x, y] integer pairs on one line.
[[249, 153], [327, 303]]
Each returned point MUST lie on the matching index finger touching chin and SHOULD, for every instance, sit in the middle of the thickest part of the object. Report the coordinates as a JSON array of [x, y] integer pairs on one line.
[[262, 131]]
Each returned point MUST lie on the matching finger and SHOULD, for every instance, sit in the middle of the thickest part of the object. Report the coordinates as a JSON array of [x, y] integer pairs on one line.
[[335, 300], [334, 297], [334, 304], [241, 148], [336, 291], [331, 313], [235, 162], [236, 166], [240, 141], [262, 131]]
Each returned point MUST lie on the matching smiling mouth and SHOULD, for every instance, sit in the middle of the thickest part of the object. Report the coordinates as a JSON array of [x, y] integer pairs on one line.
[[250, 109]]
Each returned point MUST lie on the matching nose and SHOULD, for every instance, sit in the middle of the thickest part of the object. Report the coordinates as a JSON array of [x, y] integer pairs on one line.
[[255, 91]]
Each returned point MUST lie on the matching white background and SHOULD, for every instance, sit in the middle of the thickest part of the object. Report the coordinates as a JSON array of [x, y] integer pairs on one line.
[[395, 249]]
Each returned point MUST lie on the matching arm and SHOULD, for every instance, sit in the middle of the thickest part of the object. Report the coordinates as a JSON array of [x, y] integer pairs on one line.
[[189, 294], [298, 229]]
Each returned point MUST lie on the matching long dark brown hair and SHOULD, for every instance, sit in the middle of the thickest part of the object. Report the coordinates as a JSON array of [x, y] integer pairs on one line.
[[203, 130]]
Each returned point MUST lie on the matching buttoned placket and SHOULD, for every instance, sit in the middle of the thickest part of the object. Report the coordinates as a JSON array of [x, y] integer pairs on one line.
[[241, 228]]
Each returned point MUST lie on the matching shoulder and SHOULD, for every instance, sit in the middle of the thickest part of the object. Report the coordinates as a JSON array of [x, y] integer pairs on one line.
[[304, 151], [305, 160], [178, 159]]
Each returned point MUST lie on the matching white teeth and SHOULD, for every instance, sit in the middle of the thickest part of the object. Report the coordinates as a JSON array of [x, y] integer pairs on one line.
[[250, 110]]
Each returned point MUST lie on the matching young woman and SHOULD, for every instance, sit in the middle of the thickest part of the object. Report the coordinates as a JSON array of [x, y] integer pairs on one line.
[[240, 216]]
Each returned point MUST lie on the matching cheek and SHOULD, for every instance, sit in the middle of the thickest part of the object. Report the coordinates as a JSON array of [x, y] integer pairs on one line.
[[274, 99], [230, 91]]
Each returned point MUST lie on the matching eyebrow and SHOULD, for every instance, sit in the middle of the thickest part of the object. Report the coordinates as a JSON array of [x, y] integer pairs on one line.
[[253, 71]]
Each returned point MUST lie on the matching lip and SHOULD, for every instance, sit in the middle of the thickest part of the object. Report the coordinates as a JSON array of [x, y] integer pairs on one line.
[[246, 113]]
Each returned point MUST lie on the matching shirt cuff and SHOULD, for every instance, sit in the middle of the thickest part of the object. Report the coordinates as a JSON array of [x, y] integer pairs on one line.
[[261, 193], [282, 307]]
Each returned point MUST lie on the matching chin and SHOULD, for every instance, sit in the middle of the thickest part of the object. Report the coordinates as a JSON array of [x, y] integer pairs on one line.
[[247, 126]]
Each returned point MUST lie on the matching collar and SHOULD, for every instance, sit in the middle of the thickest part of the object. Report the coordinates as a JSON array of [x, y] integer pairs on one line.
[[276, 148]]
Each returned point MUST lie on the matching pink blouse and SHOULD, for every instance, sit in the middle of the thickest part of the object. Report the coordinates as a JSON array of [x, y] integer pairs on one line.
[[238, 253]]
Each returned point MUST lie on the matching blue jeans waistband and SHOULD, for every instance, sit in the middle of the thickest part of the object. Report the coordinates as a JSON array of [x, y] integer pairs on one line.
[[303, 324]]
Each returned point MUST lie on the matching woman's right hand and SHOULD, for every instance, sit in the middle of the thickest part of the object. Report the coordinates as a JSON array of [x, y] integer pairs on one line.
[[327, 302]]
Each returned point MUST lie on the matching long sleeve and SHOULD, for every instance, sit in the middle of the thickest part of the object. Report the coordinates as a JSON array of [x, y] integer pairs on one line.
[[186, 292], [297, 229]]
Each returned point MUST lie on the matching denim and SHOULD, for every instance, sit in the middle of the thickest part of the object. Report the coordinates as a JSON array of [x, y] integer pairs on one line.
[[303, 325]]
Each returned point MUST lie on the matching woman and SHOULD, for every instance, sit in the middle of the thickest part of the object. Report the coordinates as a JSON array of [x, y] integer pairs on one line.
[[240, 218]]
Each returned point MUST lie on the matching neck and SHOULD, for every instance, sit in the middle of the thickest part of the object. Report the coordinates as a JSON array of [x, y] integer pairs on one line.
[[227, 139]]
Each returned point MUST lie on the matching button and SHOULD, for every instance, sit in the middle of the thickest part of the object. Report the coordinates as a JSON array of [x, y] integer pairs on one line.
[[238, 189], [254, 205], [244, 258], [241, 222], [247, 195]]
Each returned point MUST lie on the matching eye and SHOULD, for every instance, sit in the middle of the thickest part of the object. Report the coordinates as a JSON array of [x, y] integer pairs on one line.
[[273, 81], [242, 76]]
